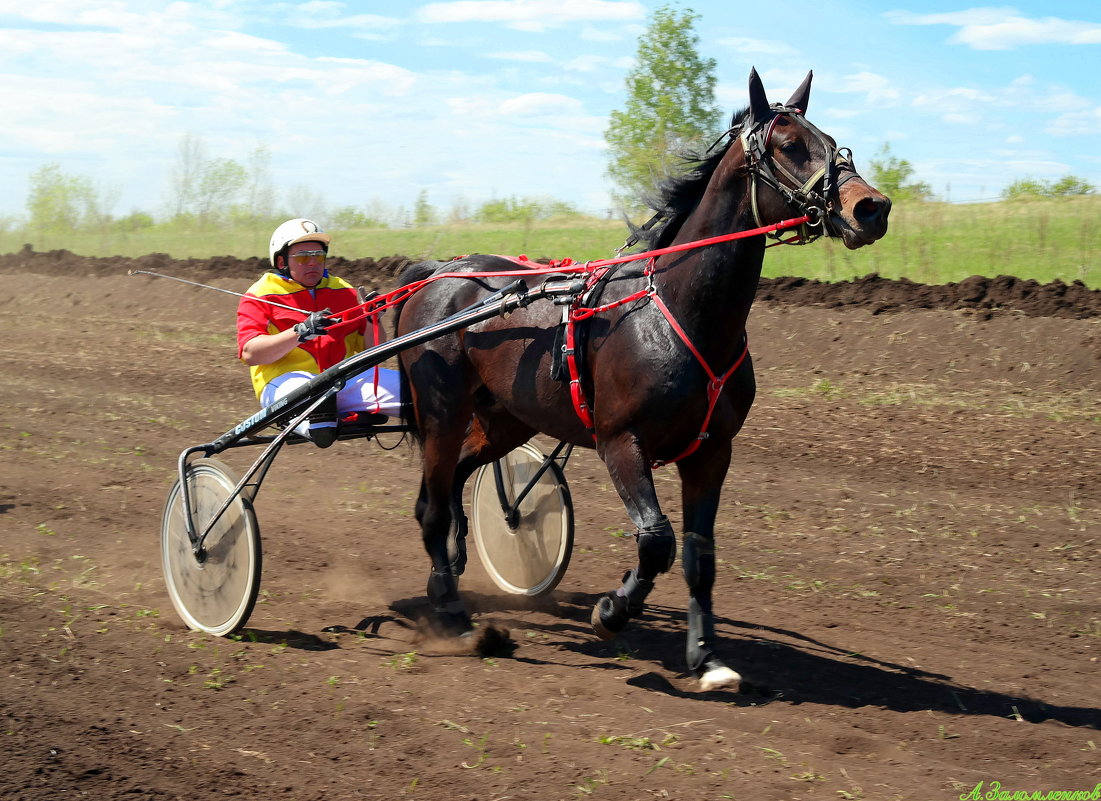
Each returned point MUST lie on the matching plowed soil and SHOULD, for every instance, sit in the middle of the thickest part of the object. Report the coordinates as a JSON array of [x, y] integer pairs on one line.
[[908, 576]]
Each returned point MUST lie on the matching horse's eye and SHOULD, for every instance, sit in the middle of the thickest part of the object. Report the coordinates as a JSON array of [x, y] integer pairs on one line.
[[789, 147]]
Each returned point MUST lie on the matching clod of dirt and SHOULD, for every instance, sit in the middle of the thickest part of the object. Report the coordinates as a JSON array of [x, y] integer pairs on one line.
[[485, 641]]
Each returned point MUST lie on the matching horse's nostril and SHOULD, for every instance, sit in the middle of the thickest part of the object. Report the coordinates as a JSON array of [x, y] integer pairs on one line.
[[870, 209]]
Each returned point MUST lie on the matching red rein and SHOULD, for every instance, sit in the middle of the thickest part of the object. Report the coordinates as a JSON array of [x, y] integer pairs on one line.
[[595, 270]]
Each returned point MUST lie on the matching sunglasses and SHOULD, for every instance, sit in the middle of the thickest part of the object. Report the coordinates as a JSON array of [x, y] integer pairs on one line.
[[304, 256]]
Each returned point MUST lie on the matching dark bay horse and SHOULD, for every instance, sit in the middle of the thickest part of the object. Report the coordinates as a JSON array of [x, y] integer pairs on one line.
[[479, 393]]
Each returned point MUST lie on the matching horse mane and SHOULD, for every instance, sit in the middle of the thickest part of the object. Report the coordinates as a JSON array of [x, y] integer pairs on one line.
[[677, 196]]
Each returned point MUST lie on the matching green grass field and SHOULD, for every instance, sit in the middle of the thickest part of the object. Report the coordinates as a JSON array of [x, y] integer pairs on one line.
[[931, 243]]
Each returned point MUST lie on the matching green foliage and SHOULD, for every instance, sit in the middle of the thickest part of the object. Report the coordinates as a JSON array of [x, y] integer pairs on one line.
[[891, 176], [60, 202], [670, 104], [219, 188], [525, 210], [934, 243], [1030, 188], [205, 189], [347, 217], [135, 221], [423, 213]]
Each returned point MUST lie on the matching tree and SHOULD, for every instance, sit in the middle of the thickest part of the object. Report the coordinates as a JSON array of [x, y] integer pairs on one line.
[[347, 217], [204, 188], [1067, 186], [60, 202], [891, 176], [220, 188], [190, 157], [259, 194], [525, 210], [1070, 185], [423, 213], [670, 104]]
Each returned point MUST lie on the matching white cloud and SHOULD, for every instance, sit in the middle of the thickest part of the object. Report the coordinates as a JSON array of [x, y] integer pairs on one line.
[[971, 16], [1005, 28], [541, 103], [531, 15], [877, 89], [593, 34], [324, 14], [969, 105], [530, 56], [1084, 122], [594, 63], [743, 46], [954, 101]]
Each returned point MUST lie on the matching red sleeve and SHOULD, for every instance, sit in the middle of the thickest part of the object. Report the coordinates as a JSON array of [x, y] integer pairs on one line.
[[252, 320]]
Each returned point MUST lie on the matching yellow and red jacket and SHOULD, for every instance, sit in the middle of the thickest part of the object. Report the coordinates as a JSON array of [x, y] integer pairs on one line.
[[255, 318]]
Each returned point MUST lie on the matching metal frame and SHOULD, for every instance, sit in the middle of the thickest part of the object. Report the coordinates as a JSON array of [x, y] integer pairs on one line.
[[298, 404], [512, 513]]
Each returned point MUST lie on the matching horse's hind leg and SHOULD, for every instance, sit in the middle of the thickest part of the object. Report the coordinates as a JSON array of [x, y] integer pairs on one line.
[[702, 476], [443, 439], [490, 437], [657, 545], [456, 541]]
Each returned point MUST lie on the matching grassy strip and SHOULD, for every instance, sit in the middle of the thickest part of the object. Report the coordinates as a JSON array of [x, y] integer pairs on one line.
[[937, 243], [932, 243]]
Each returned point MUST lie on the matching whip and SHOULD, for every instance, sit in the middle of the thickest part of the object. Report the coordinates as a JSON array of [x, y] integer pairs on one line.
[[216, 289]]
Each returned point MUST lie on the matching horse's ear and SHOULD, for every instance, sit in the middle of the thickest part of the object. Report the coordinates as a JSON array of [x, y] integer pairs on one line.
[[758, 103], [801, 97]]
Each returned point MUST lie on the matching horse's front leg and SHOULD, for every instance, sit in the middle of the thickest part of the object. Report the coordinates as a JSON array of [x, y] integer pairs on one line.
[[702, 476], [657, 545]]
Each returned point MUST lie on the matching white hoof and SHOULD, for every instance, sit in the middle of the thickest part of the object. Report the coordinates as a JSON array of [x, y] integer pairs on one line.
[[721, 678]]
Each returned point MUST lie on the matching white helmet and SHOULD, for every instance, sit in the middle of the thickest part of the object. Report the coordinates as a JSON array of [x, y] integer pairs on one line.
[[292, 231]]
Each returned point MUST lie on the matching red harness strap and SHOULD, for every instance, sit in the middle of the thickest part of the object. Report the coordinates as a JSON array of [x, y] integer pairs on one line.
[[595, 270], [715, 383]]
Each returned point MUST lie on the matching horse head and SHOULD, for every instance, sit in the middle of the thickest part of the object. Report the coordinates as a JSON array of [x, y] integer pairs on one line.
[[795, 167]]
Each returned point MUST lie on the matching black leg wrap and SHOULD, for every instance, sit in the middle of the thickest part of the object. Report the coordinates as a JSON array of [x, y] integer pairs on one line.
[[657, 548], [698, 561], [701, 637], [612, 612], [456, 544], [451, 614]]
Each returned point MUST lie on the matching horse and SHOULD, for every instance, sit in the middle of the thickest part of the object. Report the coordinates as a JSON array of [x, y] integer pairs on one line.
[[666, 373]]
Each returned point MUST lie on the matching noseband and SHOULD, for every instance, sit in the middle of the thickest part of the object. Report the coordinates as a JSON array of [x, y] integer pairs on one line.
[[814, 196]]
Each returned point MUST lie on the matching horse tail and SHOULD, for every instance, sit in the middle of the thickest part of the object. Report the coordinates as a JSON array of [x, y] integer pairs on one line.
[[411, 274]]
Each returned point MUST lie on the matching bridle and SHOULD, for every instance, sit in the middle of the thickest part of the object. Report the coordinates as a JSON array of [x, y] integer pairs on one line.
[[800, 195], [814, 197]]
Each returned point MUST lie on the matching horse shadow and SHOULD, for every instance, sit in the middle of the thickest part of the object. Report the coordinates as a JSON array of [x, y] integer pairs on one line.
[[291, 638], [779, 665]]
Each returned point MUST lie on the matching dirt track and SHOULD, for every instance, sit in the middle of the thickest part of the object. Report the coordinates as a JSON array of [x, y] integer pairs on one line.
[[908, 577]]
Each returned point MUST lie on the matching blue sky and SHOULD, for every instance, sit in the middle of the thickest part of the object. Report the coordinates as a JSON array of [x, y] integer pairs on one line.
[[362, 102]]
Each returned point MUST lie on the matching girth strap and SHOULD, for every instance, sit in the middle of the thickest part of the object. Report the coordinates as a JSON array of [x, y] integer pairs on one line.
[[581, 405]]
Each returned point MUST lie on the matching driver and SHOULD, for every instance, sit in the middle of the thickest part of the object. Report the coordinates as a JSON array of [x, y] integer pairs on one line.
[[285, 349]]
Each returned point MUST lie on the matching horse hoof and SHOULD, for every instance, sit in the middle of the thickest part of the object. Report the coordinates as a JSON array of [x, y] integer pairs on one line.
[[720, 678], [607, 621], [452, 624]]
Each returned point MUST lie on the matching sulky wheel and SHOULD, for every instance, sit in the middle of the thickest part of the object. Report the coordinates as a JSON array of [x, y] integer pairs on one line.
[[528, 554], [214, 593]]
